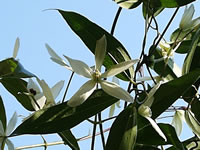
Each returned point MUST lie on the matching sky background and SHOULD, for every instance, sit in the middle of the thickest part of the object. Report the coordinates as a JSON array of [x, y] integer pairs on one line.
[[34, 25]]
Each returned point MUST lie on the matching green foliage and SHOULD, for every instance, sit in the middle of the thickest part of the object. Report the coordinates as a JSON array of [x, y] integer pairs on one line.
[[135, 127], [2, 113], [124, 130], [62, 117]]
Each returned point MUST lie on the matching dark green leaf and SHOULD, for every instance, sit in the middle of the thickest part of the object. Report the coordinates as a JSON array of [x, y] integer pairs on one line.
[[123, 132], [169, 3], [169, 92], [17, 87], [62, 117], [145, 134], [184, 47], [151, 11], [13, 69], [2, 114], [187, 66], [69, 139], [89, 33], [145, 147]]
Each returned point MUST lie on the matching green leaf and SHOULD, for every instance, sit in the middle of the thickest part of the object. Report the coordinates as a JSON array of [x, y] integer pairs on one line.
[[184, 47], [62, 117], [145, 147], [169, 92], [13, 69], [151, 11], [169, 3], [2, 114], [189, 58], [128, 4], [89, 33], [17, 87], [145, 134], [186, 35], [69, 139], [170, 71], [123, 132]]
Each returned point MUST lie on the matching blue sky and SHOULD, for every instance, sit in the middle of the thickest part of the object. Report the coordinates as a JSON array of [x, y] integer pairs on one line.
[[34, 25]]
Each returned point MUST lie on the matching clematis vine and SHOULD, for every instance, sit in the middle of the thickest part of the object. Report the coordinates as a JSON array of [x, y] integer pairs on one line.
[[145, 110], [5, 133], [186, 20], [45, 98], [96, 77]]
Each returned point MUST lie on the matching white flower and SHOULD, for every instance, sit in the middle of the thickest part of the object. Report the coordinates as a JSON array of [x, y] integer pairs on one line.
[[192, 122], [145, 110], [45, 98], [186, 20], [96, 77], [166, 49], [4, 133], [177, 121]]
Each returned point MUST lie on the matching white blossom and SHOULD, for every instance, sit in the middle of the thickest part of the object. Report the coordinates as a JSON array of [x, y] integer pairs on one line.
[[96, 77]]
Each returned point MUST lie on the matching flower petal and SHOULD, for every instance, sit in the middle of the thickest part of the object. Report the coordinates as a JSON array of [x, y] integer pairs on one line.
[[149, 99], [40, 99], [47, 92], [177, 121], [56, 58], [118, 68], [144, 111], [100, 52], [11, 124], [16, 48], [1, 129], [32, 85], [10, 145], [187, 18], [82, 94], [116, 91], [57, 88], [156, 127], [80, 67]]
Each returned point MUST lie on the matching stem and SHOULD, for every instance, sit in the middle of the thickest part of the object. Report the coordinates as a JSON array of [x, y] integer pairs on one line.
[[101, 131], [165, 30], [102, 121], [93, 134], [115, 20], [150, 74], [69, 82], [40, 145]]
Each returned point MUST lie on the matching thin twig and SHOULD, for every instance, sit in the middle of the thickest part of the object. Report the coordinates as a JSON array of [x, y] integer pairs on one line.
[[94, 133], [115, 20], [101, 131], [70, 79]]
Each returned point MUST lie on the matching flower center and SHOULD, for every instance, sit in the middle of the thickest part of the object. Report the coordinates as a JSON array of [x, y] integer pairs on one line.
[[96, 75]]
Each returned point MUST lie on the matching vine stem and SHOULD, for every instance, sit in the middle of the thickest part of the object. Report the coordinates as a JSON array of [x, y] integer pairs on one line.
[[94, 133], [165, 30], [101, 131], [69, 82], [115, 20]]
